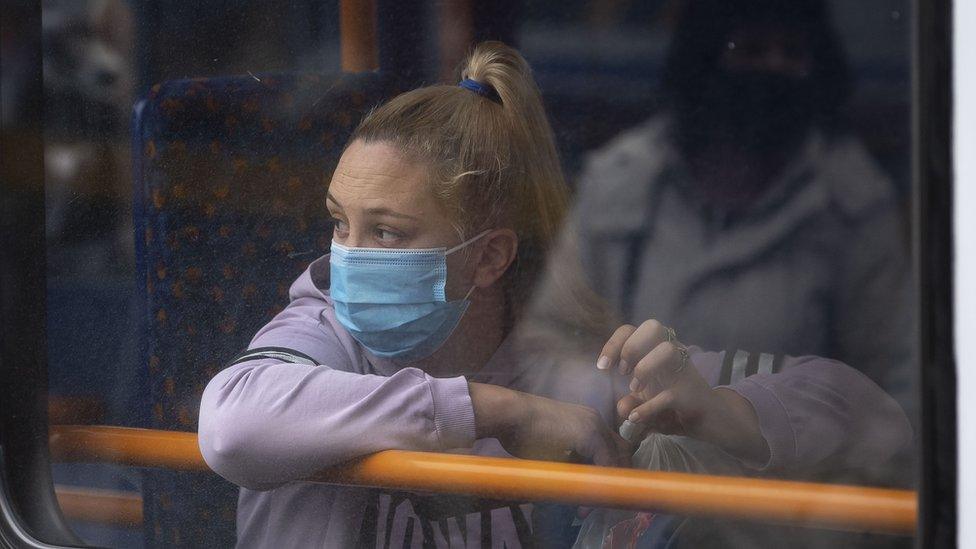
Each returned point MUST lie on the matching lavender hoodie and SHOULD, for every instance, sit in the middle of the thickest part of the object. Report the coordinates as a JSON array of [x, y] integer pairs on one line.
[[306, 396]]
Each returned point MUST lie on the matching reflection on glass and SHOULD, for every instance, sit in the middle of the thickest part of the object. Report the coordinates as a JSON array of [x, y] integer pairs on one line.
[[747, 215], [732, 223]]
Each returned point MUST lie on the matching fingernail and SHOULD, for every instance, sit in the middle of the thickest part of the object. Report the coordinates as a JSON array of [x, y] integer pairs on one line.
[[636, 385], [622, 366], [628, 430], [603, 363], [634, 417]]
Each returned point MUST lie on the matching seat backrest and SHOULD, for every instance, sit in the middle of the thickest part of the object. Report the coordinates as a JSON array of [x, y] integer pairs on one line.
[[230, 185]]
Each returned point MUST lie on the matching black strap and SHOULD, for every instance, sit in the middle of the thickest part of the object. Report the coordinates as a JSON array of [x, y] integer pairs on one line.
[[635, 253], [486, 530], [725, 377], [752, 365], [635, 256], [283, 354], [367, 529]]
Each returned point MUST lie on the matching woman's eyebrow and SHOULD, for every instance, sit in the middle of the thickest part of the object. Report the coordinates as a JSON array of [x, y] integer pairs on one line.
[[389, 212], [330, 198], [374, 211]]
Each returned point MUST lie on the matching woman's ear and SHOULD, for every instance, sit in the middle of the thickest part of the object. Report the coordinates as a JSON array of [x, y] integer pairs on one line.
[[498, 251]]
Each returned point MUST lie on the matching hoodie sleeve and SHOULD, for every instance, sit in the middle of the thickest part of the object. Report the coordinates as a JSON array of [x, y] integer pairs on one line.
[[812, 410], [269, 419]]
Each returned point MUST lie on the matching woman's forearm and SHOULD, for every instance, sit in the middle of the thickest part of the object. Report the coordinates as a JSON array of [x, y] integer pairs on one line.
[[535, 427], [264, 423], [817, 410], [496, 409], [734, 427]]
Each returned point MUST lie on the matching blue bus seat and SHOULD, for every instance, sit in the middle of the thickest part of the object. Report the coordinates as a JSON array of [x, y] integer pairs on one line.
[[230, 177]]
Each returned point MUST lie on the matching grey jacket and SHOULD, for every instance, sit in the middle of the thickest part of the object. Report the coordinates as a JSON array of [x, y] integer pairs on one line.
[[818, 265]]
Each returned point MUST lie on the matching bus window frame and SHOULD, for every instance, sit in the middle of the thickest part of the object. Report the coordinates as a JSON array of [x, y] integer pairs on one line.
[[29, 509], [932, 243]]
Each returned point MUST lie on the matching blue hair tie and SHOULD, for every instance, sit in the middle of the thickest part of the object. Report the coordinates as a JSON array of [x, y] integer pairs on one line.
[[484, 90]]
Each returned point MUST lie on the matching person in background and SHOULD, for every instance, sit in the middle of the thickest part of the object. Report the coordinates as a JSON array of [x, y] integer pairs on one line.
[[743, 214]]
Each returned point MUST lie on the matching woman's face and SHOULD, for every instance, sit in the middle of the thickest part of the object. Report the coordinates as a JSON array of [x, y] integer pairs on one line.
[[380, 200]]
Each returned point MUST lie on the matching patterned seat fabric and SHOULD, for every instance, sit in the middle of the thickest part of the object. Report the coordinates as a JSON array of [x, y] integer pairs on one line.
[[230, 184]]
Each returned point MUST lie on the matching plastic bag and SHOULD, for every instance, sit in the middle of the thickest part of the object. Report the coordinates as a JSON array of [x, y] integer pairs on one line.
[[615, 528]]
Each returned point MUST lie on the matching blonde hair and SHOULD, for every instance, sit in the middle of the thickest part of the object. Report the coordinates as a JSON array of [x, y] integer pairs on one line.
[[493, 160]]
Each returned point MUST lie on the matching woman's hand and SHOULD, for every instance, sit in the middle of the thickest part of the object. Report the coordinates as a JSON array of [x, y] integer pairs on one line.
[[534, 427], [668, 394]]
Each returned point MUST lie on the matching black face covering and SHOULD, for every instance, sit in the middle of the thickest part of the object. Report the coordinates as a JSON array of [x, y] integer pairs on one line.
[[759, 112]]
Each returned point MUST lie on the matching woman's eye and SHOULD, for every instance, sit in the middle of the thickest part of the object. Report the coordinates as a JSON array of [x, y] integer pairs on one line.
[[385, 235], [339, 226]]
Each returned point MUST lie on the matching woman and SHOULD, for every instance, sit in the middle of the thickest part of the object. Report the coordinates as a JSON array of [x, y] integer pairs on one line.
[[446, 201]]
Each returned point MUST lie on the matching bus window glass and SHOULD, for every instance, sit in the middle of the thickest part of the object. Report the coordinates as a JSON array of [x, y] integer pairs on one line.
[[668, 235]]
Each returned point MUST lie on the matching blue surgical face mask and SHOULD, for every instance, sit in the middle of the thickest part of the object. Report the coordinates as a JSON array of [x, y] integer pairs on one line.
[[392, 300]]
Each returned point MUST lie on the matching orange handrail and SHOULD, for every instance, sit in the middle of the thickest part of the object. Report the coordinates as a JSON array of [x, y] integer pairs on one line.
[[100, 506], [127, 446], [803, 503]]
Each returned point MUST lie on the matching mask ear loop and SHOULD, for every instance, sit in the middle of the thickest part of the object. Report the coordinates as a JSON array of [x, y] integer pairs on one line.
[[462, 245], [468, 241]]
